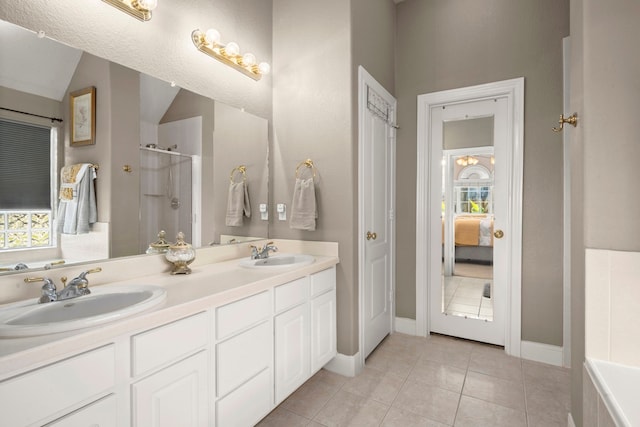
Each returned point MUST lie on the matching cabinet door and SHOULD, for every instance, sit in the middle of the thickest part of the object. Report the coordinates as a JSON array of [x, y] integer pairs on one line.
[[292, 345], [323, 330], [175, 396]]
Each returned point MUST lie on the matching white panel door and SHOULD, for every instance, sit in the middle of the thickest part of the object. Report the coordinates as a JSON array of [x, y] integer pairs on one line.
[[378, 203], [175, 396]]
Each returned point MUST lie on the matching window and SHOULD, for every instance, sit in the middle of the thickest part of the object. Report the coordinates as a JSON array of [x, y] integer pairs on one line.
[[25, 185]]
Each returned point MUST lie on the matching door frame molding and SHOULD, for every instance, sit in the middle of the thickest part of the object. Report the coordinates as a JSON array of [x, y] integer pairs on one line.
[[513, 90], [365, 79]]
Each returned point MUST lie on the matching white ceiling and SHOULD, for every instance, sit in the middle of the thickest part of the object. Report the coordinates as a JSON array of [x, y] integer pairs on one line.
[[39, 66]]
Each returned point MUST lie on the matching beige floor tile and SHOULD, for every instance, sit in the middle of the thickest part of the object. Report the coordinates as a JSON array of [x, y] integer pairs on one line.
[[541, 421], [392, 362], [478, 413], [373, 384], [495, 390], [494, 362], [399, 418], [439, 375], [331, 378], [552, 378], [428, 401], [310, 398], [280, 417], [447, 355], [347, 409], [547, 404]]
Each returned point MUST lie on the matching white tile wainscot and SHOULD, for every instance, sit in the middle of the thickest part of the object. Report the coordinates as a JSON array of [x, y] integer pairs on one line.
[[201, 358]]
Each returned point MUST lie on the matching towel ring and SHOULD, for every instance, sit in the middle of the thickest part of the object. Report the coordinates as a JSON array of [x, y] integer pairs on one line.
[[240, 169], [309, 164]]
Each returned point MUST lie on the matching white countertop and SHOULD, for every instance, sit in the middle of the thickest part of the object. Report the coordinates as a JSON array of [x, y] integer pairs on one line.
[[207, 286]]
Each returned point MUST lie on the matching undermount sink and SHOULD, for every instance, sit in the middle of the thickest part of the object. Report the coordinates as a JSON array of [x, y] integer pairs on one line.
[[103, 305], [279, 261]]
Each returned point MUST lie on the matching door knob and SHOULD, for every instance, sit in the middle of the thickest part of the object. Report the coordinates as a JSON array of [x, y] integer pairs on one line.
[[371, 235], [499, 234]]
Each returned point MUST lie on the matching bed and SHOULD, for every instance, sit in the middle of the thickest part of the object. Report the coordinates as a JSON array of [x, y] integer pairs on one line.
[[473, 238]]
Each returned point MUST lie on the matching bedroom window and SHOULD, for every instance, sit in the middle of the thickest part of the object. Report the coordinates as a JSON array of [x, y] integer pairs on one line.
[[26, 182]]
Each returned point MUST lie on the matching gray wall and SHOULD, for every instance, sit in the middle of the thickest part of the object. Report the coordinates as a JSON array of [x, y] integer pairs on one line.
[[604, 92], [445, 45], [317, 47]]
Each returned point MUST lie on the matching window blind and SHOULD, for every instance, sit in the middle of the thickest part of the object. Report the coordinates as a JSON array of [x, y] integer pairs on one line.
[[25, 166]]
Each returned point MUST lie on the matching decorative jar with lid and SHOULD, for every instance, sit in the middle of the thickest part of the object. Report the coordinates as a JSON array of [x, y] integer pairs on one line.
[[180, 254]]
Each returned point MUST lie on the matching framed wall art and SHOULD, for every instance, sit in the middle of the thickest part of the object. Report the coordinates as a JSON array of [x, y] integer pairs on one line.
[[83, 116]]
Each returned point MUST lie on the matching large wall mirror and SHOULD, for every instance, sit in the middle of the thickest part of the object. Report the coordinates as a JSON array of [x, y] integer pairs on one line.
[[166, 158]]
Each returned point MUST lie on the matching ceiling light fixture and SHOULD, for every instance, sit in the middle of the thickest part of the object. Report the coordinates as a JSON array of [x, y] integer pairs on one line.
[[139, 9], [209, 42]]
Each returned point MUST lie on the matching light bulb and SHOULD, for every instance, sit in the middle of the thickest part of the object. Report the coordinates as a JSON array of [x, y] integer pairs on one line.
[[212, 36], [232, 49], [248, 59], [264, 68], [148, 4]]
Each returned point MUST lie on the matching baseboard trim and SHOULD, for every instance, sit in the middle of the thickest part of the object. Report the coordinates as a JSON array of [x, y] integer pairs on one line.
[[570, 422], [539, 352], [348, 366], [405, 326]]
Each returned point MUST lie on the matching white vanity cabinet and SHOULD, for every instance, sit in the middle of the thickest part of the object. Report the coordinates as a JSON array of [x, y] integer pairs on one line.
[[305, 330], [323, 318], [58, 389], [176, 391], [174, 396], [244, 361], [222, 364]]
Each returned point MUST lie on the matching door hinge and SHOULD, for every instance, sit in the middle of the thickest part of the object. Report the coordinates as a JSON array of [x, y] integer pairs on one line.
[[392, 215]]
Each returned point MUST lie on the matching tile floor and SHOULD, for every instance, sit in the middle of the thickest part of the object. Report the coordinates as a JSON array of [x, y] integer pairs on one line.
[[436, 381], [463, 296]]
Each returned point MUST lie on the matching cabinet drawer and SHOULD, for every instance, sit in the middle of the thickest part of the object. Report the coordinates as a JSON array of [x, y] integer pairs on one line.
[[102, 413], [168, 343], [243, 356], [239, 315], [248, 404], [291, 294], [323, 281], [46, 391]]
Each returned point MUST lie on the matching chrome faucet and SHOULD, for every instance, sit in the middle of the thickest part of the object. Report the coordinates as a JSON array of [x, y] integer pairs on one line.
[[77, 287], [264, 252]]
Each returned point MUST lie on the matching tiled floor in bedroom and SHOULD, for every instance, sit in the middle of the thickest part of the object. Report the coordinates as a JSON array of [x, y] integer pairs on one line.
[[439, 381]]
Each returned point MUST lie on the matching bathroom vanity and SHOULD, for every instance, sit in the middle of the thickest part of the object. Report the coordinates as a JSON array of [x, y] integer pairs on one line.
[[226, 347]]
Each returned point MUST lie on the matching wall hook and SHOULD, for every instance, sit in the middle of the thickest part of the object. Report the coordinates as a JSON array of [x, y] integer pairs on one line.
[[127, 168], [572, 120]]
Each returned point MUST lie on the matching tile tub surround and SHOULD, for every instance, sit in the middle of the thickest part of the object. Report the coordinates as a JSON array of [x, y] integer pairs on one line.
[[216, 279], [436, 381]]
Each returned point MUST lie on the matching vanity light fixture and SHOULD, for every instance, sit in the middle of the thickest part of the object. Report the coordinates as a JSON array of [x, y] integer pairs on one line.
[[140, 9], [467, 160], [209, 43]]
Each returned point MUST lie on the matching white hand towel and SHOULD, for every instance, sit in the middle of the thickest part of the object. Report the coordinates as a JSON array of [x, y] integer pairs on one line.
[[238, 205], [303, 207]]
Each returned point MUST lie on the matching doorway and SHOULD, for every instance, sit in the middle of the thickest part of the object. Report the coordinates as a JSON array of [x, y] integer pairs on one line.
[[376, 205], [469, 198]]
